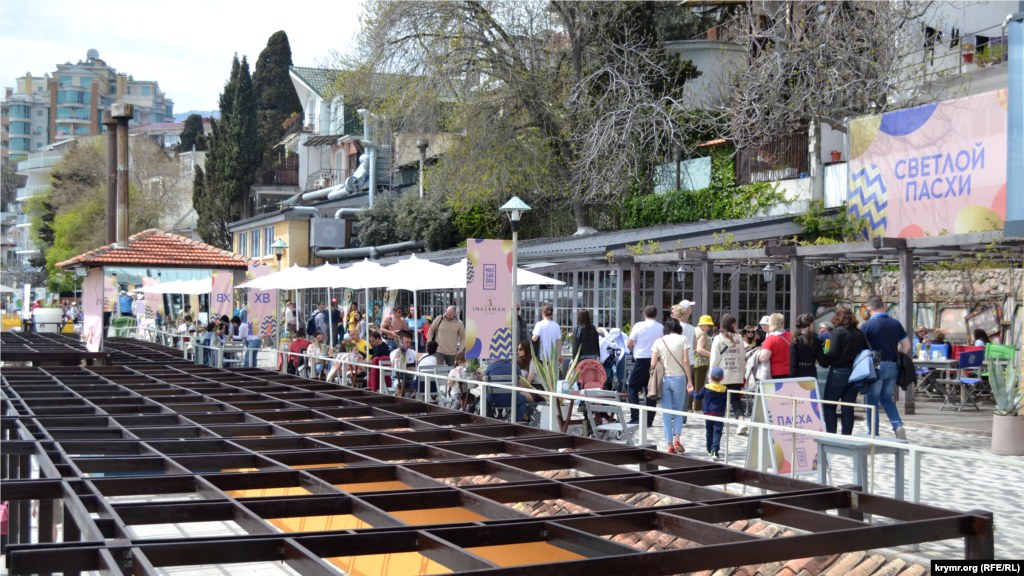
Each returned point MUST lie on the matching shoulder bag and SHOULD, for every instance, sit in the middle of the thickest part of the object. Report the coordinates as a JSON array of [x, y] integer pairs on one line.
[[906, 372], [864, 365], [656, 378]]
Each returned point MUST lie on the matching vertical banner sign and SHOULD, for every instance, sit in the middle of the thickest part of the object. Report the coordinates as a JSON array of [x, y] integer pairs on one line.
[[221, 294], [110, 297], [154, 303], [778, 411], [489, 299], [93, 292], [262, 305], [935, 169], [26, 301]]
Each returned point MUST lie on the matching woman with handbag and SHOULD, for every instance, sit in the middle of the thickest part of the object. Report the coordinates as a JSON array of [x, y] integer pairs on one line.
[[845, 344], [670, 356], [727, 353]]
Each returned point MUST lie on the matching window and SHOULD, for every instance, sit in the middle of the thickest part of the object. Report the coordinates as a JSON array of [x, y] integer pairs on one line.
[[65, 81], [673, 291], [241, 243], [255, 243], [19, 111], [39, 112], [145, 91], [21, 128], [129, 90], [86, 82], [65, 113], [268, 239], [113, 88], [82, 131], [82, 114], [169, 110], [39, 144]]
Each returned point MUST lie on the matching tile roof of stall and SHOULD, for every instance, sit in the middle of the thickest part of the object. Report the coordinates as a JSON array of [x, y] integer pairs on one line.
[[158, 249]]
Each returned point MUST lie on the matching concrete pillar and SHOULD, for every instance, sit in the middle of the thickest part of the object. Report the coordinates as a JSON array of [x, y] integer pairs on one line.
[[814, 165], [635, 309], [122, 113], [707, 277], [94, 107]]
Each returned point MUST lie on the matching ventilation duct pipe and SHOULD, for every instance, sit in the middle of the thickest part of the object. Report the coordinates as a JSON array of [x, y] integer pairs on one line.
[[307, 210], [318, 194], [347, 213], [373, 252]]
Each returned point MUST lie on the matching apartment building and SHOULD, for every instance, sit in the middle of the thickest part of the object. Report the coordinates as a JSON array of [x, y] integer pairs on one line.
[[69, 102]]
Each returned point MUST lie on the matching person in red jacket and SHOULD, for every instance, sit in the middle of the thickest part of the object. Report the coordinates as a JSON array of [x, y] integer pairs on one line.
[[775, 349], [298, 346]]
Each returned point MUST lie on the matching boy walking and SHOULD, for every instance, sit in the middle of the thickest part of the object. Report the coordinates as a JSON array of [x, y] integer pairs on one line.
[[713, 395]]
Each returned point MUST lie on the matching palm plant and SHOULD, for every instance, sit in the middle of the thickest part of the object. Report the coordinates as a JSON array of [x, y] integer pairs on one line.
[[1007, 389]]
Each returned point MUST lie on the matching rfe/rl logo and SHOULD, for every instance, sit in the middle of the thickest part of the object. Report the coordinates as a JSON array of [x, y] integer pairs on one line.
[[224, 298], [262, 298]]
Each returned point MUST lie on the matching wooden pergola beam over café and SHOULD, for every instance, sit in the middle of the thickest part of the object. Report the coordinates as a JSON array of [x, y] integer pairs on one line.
[[904, 253]]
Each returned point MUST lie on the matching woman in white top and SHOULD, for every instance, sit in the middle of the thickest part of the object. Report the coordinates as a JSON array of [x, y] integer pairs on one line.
[[673, 351], [727, 352]]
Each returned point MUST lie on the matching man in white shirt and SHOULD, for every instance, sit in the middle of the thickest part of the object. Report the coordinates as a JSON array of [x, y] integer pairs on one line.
[[548, 335], [641, 339]]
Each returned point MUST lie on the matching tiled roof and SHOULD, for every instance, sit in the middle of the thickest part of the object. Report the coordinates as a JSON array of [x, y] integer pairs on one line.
[[319, 79], [848, 564], [158, 249]]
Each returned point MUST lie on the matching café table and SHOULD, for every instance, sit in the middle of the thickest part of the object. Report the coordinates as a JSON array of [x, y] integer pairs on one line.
[[930, 381]]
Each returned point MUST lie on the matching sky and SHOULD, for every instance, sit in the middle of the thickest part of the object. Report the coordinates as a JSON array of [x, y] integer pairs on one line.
[[185, 45]]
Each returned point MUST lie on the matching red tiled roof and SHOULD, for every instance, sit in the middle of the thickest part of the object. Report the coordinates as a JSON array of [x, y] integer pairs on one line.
[[158, 249]]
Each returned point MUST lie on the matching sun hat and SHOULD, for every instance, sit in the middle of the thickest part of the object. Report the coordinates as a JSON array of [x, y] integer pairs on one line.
[[706, 320], [686, 304]]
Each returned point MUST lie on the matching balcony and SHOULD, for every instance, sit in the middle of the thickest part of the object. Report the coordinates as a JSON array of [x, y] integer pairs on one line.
[[312, 124], [782, 159], [29, 191], [36, 163], [280, 176], [25, 247], [24, 220], [324, 179]]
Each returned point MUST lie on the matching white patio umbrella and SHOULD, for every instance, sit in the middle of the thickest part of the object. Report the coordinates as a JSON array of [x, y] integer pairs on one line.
[[6, 289], [325, 276], [417, 274], [363, 275], [288, 279], [202, 286], [457, 274]]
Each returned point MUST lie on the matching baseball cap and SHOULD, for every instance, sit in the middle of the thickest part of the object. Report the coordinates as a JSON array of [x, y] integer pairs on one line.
[[717, 373], [766, 320], [686, 304]]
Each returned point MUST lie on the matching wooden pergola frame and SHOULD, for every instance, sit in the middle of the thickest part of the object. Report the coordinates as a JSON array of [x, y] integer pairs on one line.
[[182, 428]]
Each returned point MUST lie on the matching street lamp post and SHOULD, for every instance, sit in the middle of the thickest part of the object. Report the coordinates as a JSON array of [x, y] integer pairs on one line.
[[279, 247], [514, 208]]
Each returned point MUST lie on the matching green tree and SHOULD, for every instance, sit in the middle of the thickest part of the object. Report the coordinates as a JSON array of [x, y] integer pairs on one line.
[[429, 220], [233, 154], [379, 225], [10, 181], [192, 134], [275, 95]]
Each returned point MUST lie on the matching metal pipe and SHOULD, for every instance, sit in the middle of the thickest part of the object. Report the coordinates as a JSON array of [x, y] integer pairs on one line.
[[122, 113], [111, 125], [307, 210], [317, 194], [347, 212], [373, 252]]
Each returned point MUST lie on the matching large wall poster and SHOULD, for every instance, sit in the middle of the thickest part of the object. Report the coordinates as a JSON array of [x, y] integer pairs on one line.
[[262, 305], [222, 292], [93, 299], [489, 299], [935, 169], [778, 449]]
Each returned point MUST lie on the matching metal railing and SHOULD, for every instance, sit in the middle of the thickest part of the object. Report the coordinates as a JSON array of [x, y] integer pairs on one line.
[[324, 179], [30, 191], [32, 163]]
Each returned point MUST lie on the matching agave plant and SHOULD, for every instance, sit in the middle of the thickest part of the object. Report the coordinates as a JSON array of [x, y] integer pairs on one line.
[[1007, 389], [548, 371]]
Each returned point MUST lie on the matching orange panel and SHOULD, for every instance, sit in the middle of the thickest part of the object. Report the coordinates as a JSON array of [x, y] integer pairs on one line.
[[240, 470], [437, 516], [523, 554], [332, 465], [319, 523], [374, 486], [258, 492], [397, 564]]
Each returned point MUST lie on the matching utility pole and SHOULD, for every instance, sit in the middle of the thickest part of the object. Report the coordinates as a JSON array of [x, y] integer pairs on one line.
[[122, 112], [422, 145]]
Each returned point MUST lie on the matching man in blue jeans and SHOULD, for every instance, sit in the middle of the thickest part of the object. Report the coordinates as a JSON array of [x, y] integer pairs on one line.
[[886, 335]]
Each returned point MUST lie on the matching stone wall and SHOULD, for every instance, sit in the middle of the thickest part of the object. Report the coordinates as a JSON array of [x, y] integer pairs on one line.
[[942, 287]]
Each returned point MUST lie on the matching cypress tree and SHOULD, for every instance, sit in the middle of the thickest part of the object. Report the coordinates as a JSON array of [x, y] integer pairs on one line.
[[276, 97], [242, 135], [192, 134]]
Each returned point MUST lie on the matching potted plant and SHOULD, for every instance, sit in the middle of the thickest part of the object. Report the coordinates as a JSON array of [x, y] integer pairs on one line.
[[968, 51], [836, 155], [548, 374], [1007, 422], [983, 56]]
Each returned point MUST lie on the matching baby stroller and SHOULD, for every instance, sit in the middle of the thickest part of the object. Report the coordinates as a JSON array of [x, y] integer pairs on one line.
[[591, 375]]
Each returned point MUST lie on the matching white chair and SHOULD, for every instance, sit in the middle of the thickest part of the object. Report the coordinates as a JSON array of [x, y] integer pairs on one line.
[[384, 388], [620, 428]]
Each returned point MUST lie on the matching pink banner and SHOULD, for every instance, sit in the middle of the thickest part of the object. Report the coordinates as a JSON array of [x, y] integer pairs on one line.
[[262, 305], [779, 412], [110, 294], [93, 293], [154, 304], [935, 169], [489, 299], [222, 293]]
